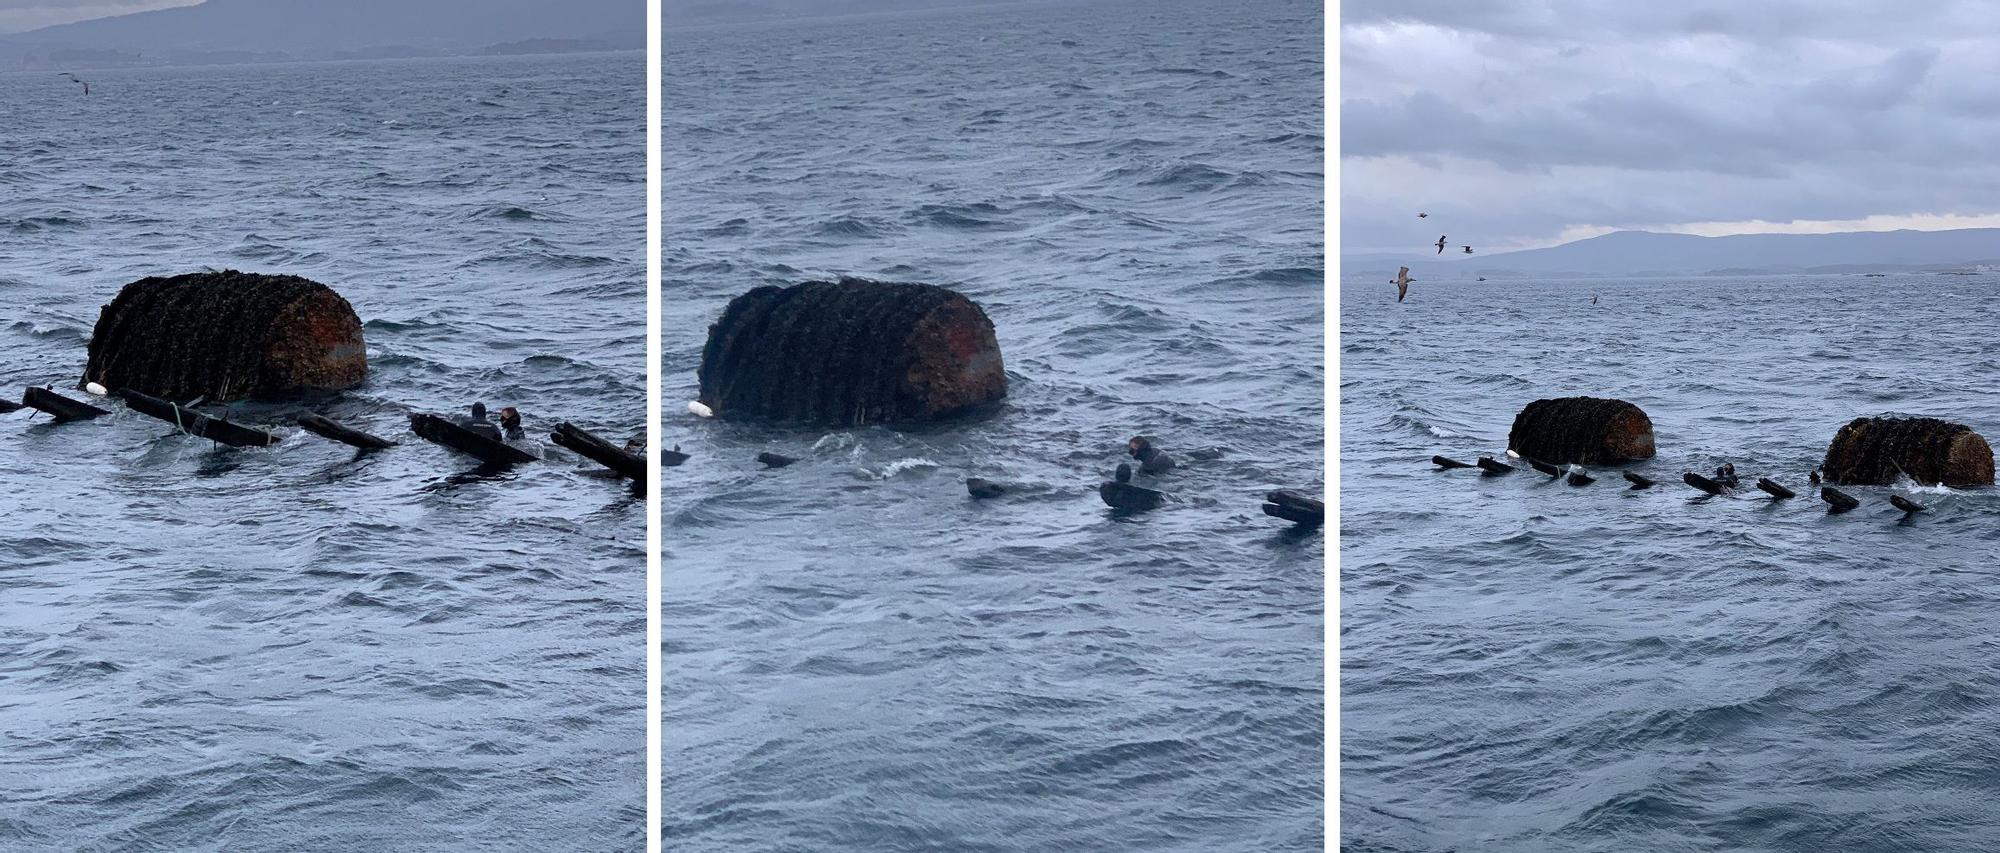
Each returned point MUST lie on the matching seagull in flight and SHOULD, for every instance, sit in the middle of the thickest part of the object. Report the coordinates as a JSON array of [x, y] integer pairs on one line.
[[1441, 244], [1423, 216], [75, 79], [1468, 249], [1402, 283]]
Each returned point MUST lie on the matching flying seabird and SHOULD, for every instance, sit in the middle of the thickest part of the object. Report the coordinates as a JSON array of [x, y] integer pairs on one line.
[[1423, 216], [75, 79], [1402, 283], [1468, 249], [1441, 244]]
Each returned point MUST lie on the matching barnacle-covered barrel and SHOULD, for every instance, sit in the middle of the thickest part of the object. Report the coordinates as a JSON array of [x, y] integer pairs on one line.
[[227, 335], [1872, 451], [1584, 430], [850, 352]]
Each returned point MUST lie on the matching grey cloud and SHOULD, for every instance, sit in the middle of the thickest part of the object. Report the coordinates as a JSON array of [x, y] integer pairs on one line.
[[1763, 20], [1520, 120], [1880, 87]]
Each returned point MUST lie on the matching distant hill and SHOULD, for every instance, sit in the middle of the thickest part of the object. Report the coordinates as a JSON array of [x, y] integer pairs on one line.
[[325, 29], [1642, 253]]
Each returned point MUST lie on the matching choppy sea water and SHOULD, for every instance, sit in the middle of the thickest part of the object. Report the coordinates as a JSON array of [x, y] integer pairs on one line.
[[296, 647], [1531, 666], [858, 656]]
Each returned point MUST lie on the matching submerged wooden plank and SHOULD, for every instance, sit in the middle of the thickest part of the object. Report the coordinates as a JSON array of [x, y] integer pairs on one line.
[[60, 407], [197, 424], [439, 431], [327, 428], [628, 465]]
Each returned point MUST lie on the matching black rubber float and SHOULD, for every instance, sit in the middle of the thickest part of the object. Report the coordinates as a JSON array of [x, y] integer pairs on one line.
[[1489, 467], [1638, 482], [1909, 507], [1448, 464], [1837, 500], [58, 406], [983, 489], [1127, 496], [1772, 488], [327, 428], [1545, 467], [197, 424], [1578, 478], [674, 457], [1294, 507], [774, 460]]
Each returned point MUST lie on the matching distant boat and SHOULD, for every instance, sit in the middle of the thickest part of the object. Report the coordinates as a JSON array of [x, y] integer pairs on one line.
[[1872, 275]]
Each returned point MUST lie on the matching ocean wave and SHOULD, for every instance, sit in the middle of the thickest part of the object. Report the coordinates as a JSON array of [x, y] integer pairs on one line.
[[893, 468], [853, 227], [977, 216]]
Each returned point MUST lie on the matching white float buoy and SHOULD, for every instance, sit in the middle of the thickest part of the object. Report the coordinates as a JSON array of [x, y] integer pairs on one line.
[[96, 389], [700, 410]]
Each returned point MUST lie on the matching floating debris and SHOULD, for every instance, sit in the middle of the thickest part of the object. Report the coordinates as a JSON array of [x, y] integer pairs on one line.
[[629, 465], [1295, 507], [197, 424], [327, 428], [1703, 483], [437, 430], [58, 406], [1121, 494], [983, 489], [1837, 500], [1771, 487]]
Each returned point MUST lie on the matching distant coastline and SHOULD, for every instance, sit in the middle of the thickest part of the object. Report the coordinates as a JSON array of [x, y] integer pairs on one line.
[[247, 32], [1646, 254], [97, 60]]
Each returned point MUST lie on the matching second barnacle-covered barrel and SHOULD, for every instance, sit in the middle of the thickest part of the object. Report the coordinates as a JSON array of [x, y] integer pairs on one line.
[[850, 352], [226, 335], [1875, 451], [1584, 430]]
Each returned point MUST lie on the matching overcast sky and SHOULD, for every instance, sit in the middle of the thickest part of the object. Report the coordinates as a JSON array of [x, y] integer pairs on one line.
[[22, 15], [1520, 123]]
